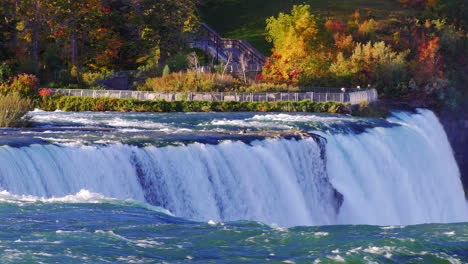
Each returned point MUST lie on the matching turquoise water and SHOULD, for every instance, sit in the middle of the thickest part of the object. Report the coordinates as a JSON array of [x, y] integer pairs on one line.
[[88, 228]]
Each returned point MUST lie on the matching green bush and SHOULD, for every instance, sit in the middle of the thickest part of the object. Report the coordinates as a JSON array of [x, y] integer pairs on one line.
[[5, 72], [177, 63], [166, 70], [13, 110], [91, 79], [363, 109], [71, 103]]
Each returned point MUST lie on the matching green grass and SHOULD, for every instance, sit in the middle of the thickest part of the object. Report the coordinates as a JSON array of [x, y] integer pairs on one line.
[[245, 19]]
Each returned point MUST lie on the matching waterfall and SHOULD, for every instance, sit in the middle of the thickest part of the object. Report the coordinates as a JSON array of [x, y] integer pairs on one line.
[[404, 174]]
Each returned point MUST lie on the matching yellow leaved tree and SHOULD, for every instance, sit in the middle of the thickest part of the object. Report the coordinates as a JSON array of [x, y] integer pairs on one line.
[[295, 37]]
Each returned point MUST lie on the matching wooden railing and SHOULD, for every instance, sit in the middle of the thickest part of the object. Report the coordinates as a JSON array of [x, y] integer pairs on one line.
[[368, 96]]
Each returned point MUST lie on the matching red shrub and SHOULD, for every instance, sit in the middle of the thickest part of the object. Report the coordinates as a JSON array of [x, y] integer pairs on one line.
[[45, 92]]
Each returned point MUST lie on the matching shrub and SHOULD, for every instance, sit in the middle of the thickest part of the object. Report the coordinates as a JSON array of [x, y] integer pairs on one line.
[[23, 84], [13, 110], [177, 62], [71, 103], [45, 92], [5, 72], [92, 78], [269, 87], [166, 70], [364, 109], [191, 81]]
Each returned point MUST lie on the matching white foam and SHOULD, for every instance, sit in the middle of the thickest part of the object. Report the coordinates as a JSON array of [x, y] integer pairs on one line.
[[303, 118], [80, 118], [336, 258], [67, 232], [321, 234], [452, 233], [392, 227], [83, 196], [386, 251], [247, 123]]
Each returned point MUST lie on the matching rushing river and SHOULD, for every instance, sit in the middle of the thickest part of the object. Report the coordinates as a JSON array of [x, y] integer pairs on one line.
[[215, 188]]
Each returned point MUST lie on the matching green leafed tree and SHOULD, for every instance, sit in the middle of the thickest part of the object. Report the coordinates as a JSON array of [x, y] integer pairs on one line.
[[375, 63]]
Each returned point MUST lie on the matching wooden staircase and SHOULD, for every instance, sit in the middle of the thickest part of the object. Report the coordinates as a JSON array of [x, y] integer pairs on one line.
[[217, 47]]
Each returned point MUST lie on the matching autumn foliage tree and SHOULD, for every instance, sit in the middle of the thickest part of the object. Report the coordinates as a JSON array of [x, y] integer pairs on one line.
[[397, 56], [49, 37], [428, 65], [296, 37]]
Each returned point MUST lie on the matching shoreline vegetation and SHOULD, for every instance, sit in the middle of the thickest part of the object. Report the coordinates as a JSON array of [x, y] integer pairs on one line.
[[13, 110], [101, 104], [415, 51]]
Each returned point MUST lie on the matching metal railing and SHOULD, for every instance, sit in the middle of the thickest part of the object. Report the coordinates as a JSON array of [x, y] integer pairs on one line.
[[210, 38], [356, 97]]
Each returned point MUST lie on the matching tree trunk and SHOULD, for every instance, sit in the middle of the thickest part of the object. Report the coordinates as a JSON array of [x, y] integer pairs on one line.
[[15, 31], [73, 42], [36, 31]]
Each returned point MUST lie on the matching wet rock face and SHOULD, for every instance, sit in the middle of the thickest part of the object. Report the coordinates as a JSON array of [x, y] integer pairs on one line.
[[456, 127]]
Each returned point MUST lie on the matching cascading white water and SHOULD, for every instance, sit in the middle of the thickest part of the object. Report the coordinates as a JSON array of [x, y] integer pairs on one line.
[[276, 181], [404, 174]]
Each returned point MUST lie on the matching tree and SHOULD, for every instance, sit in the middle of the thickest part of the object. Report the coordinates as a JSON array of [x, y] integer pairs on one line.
[[375, 63], [244, 63], [7, 28], [165, 24], [295, 37], [428, 66]]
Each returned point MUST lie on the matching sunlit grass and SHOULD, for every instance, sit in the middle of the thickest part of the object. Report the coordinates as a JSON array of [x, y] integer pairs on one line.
[[13, 110]]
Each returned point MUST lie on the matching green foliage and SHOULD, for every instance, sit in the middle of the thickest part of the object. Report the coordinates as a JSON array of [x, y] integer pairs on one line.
[[245, 19], [5, 72], [373, 63], [363, 109], [93, 35], [177, 63], [13, 110], [166, 70], [90, 79], [71, 103]]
